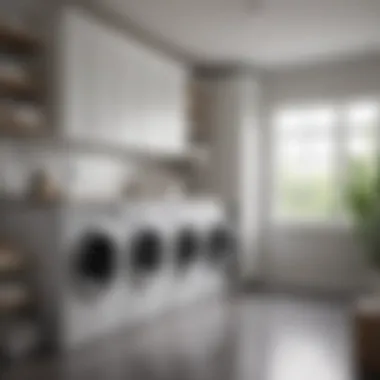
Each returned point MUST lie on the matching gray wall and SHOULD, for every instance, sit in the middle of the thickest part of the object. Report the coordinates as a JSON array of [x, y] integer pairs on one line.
[[232, 138], [327, 256]]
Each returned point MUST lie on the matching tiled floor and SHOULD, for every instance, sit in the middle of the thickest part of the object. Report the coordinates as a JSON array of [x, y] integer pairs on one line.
[[263, 337]]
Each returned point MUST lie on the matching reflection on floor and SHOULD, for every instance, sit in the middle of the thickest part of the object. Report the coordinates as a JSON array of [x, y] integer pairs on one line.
[[264, 337]]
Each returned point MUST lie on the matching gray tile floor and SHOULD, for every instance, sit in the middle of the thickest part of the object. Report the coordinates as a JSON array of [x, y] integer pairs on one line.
[[263, 337]]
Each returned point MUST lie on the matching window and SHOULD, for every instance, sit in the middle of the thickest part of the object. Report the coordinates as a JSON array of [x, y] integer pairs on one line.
[[362, 124], [312, 150]]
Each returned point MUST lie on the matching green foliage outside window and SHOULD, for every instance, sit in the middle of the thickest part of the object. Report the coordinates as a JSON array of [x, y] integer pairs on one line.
[[363, 201], [310, 197]]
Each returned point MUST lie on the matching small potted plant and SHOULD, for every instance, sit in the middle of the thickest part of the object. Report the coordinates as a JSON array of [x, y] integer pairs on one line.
[[363, 199]]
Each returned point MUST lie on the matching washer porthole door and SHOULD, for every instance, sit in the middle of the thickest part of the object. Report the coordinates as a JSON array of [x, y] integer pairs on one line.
[[221, 244], [146, 254], [187, 248], [95, 262]]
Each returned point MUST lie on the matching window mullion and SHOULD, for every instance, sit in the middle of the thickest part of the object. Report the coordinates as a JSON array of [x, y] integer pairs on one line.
[[341, 160]]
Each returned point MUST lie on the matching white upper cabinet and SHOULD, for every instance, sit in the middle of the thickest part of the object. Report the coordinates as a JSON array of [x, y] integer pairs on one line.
[[117, 91], [78, 56]]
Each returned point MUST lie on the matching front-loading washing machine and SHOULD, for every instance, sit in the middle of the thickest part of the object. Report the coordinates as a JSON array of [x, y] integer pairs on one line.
[[222, 249], [77, 255], [186, 256], [102, 267], [148, 229], [93, 287], [198, 267]]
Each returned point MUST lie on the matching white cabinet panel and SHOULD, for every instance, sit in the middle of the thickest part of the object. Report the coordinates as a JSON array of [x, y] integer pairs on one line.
[[121, 76], [131, 101], [77, 77], [166, 111], [117, 91], [178, 114], [142, 88], [172, 108], [104, 89], [155, 125]]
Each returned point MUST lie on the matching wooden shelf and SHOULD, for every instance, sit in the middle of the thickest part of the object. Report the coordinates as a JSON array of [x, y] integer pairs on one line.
[[10, 261], [20, 132], [17, 86], [7, 269], [14, 294], [15, 304], [24, 202], [19, 41], [18, 89]]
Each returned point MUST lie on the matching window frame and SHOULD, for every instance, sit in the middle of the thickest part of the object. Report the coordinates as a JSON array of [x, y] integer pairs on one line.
[[340, 157]]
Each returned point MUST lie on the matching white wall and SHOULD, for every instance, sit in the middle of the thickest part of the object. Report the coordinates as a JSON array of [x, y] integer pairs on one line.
[[327, 256]]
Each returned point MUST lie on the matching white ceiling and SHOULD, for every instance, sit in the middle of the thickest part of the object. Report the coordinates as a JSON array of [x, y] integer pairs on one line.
[[264, 32]]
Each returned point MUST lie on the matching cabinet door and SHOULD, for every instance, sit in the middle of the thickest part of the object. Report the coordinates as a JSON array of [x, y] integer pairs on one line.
[[123, 110], [143, 91], [77, 75], [155, 93], [130, 96], [178, 114], [164, 117], [173, 107], [119, 92], [117, 71], [103, 127]]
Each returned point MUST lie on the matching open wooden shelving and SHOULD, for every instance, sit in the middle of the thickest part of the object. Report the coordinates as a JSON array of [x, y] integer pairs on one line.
[[19, 89], [10, 263], [17, 40], [14, 304], [12, 131], [14, 288]]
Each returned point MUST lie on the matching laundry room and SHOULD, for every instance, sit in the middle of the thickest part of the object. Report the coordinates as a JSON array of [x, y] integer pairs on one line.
[[112, 210], [189, 188]]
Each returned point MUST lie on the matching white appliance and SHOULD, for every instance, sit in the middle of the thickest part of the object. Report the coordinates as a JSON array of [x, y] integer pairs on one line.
[[76, 252], [199, 265], [100, 268], [93, 285], [148, 228]]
